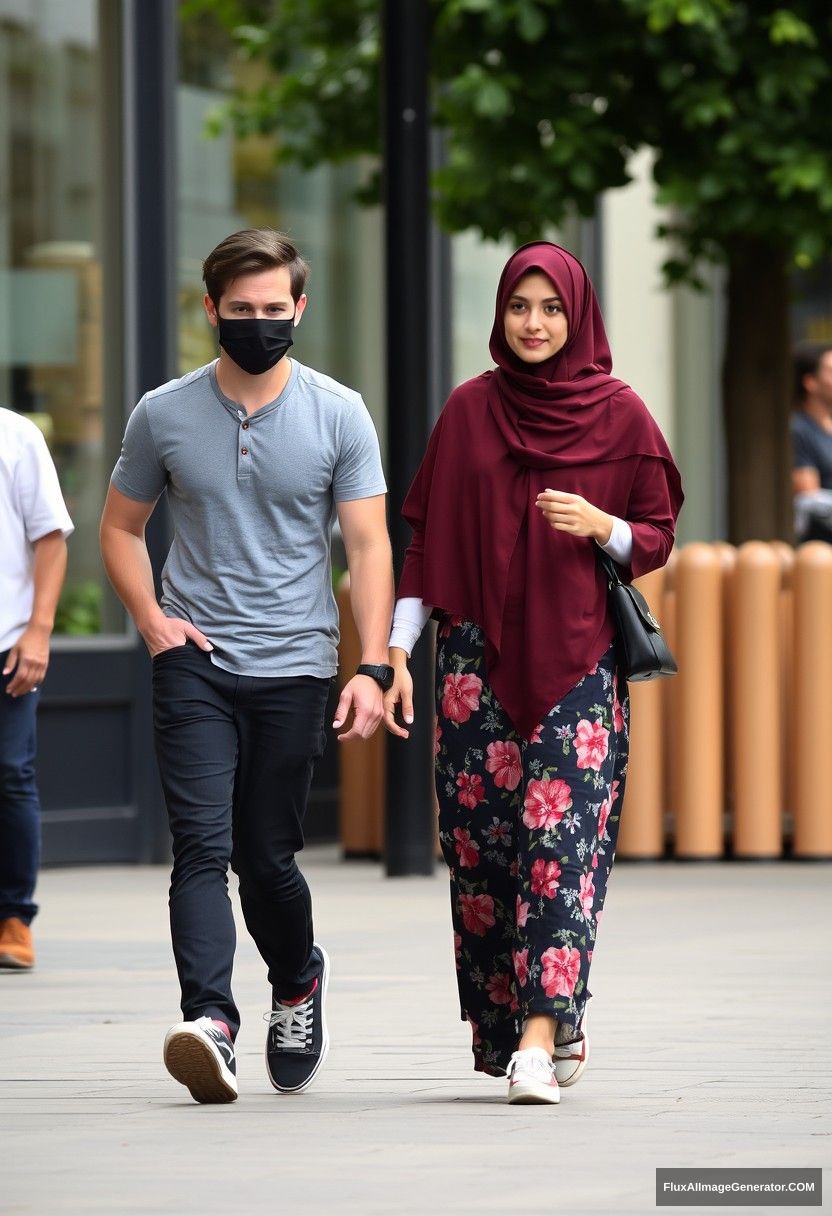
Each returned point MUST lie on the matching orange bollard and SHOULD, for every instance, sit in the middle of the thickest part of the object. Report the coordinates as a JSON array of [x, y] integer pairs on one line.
[[754, 674], [728, 556], [668, 620], [698, 728], [785, 554], [641, 834], [812, 804], [361, 761]]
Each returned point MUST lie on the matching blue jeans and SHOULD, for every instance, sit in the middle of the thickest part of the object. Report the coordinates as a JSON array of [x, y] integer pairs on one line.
[[19, 803]]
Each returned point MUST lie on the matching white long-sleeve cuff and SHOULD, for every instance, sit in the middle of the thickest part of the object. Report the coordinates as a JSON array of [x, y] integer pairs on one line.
[[409, 619], [620, 544]]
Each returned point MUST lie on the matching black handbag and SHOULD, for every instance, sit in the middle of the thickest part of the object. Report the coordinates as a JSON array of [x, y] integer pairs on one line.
[[644, 652]]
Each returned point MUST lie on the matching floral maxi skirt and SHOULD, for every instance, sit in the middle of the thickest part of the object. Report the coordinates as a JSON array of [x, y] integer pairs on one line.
[[528, 830]]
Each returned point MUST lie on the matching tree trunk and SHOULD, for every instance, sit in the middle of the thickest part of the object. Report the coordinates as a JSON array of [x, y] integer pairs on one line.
[[756, 394]]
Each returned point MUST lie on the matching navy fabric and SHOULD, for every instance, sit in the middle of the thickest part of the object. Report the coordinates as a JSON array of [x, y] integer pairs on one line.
[[19, 803], [812, 447]]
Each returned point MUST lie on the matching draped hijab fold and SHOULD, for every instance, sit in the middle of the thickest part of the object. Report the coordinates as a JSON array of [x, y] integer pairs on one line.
[[481, 549]]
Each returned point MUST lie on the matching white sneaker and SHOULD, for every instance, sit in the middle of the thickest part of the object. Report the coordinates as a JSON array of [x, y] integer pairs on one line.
[[532, 1079], [571, 1059], [201, 1057]]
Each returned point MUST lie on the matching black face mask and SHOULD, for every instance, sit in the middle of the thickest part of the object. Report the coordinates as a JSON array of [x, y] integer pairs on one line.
[[255, 344]]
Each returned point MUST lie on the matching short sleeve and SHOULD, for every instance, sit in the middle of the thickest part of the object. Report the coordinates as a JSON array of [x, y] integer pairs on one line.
[[139, 473], [803, 450], [42, 505], [358, 470]]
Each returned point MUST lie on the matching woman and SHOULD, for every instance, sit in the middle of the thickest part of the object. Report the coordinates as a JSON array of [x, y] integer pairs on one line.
[[529, 468]]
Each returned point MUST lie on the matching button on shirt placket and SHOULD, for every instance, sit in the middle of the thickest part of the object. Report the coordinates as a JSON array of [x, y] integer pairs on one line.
[[244, 449]]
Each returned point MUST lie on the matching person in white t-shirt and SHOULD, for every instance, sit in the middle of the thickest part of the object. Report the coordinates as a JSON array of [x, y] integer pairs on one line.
[[34, 525]]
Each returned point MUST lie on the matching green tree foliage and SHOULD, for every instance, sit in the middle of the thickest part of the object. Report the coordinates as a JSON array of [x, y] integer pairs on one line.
[[544, 101]]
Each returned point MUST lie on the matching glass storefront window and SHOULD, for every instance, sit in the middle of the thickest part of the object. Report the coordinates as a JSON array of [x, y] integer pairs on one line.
[[53, 319], [227, 183], [812, 303]]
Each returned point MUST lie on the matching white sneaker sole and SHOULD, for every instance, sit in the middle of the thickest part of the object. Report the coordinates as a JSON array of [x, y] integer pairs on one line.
[[531, 1093], [574, 1077], [298, 1089], [195, 1062], [8, 962]]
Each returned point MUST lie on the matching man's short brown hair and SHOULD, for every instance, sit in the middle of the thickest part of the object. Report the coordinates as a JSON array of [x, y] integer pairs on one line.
[[250, 252]]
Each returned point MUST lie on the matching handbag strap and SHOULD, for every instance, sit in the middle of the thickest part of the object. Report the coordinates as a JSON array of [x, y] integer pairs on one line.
[[609, 567]]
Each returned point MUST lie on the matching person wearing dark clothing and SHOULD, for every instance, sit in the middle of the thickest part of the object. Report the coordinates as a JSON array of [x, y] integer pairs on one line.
[[811, 430], [256, 455]]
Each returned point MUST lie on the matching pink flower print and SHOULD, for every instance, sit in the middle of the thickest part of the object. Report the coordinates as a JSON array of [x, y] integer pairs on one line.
[[614, 791], [498, 988], [522, 914], [560, 970], [477, 913], [437, 736], [460, 696], [475, 1032], [617, 711], [521, 966], [468, 850], [448, 623], [593, 671], [586, 894], [591, 744], [598, 916], [458, 949], [514, 869], [603, 816], [535, 736], [546, 803], [545, 878], [595, 861], [504, 762], [471, 789]]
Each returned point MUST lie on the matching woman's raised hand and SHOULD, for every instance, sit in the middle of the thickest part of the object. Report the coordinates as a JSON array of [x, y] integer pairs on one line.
[[400, 691], [571, 513]]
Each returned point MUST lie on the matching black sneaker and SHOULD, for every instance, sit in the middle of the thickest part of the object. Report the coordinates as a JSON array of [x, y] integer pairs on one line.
[[298, 1042], [201, 1057]]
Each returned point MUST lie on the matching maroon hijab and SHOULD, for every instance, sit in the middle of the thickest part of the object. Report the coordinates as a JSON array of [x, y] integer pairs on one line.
[[482, 550]]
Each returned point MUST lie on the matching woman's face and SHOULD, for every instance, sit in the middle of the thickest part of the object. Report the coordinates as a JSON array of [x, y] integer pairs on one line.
[[534, 319]]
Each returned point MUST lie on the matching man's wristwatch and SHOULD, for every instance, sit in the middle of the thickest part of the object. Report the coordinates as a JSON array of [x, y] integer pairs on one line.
[[382, 673]]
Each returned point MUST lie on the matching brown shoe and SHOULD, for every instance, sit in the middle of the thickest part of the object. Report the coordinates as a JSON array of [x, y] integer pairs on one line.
[[16, 950]]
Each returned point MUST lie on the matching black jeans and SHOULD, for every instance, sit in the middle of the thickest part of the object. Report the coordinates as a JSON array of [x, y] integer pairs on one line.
[[236, 755]]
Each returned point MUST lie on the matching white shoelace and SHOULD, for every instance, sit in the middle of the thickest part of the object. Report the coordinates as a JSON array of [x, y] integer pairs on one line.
[[532, 1061], [292, 1025]]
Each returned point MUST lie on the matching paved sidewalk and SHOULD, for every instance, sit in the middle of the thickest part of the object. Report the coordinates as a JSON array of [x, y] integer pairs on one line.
[[711, 1047]]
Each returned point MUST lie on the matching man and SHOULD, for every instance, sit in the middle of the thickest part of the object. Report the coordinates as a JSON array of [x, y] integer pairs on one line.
[[811, 427], [34, 525], [256, 453]]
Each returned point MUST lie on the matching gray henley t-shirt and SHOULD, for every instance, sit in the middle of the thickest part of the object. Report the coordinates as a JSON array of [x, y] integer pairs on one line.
[[252, 499]]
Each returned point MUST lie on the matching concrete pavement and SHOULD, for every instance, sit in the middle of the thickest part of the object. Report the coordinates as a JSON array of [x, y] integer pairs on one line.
[[710, 1046]]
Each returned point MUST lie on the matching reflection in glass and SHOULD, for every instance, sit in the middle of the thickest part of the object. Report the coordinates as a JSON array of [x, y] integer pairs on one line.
[[51, 302], [227, 183]]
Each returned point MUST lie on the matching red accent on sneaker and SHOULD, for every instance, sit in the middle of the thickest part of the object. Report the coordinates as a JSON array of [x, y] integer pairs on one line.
[[296, 1000], [222, 1026]]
